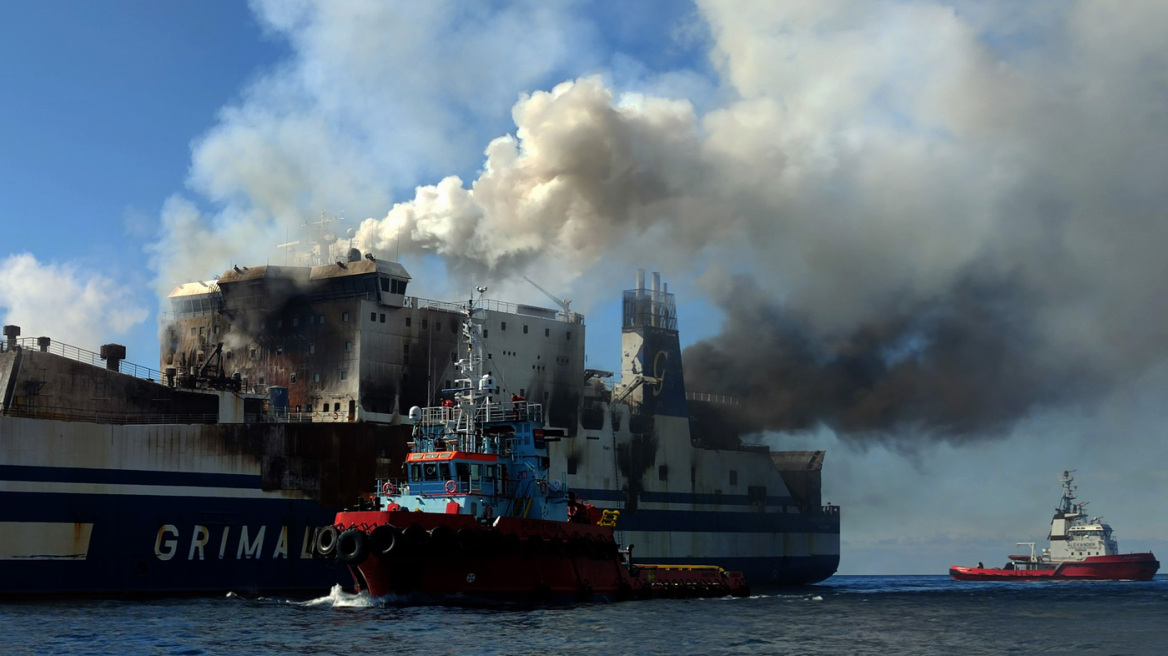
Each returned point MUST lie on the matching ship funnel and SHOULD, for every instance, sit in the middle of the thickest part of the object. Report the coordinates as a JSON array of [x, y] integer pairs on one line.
[[43, 343]]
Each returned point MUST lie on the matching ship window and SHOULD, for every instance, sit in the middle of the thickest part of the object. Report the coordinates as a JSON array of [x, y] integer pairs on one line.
[[215, 330], [503, 325], [431, 472], [323, 408], [524, 329], [316, 379], [385, 284], [348, 346], [444, 471], [381, 318], [463, 470], [194, 331], [663, 473], [415, 472], [484, 333], [373, 316], [568, 335], [292, 377], [312, 348], [490, 473], [344, 374], [733, 477], [437, 326], [547, 332], [345, 317], [425, 324], [572, 462], [408, 322], [336, 407]]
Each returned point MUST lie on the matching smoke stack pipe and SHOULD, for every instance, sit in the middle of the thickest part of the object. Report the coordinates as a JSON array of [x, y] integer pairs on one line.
[[113, 354], [640, 280], [12, 332]]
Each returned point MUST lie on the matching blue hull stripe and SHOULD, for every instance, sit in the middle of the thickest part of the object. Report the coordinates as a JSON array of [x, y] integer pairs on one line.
[[682, 497], [125, 477]]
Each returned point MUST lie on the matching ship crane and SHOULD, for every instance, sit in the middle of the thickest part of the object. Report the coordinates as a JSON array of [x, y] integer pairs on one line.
[[564, 303]]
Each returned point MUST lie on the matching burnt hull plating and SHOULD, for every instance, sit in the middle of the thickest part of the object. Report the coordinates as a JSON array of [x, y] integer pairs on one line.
[[98, 509]]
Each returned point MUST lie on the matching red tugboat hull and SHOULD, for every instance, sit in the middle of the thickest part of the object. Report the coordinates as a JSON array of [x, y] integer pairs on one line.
[[438, 557], [1122, 567]]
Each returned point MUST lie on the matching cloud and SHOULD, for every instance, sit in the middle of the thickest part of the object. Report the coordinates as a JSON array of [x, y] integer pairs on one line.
[[64, 302]]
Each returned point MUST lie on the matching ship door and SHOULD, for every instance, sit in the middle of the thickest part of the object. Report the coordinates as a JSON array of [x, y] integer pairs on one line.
[[352, 410]]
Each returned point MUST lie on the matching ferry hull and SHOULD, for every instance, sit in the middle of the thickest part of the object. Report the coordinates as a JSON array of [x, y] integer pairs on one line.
[[1124, 567], [109, 510]]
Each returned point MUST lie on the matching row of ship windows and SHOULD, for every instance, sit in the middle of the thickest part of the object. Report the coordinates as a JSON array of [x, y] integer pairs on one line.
[[292, 377], [377, 317]]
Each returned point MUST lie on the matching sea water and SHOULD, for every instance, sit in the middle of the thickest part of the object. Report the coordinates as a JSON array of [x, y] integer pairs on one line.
[[845, 615]]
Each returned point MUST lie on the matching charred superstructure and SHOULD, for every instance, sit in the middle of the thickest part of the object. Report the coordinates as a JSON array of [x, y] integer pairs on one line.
[[343, 342], [281, 398], [684, 500]]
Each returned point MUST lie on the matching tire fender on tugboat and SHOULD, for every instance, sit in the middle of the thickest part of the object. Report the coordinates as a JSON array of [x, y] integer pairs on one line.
[[325, 544], [352, 546], [386, 540]]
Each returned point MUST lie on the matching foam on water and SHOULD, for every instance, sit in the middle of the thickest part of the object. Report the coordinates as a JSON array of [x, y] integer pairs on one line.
[[338, 598]]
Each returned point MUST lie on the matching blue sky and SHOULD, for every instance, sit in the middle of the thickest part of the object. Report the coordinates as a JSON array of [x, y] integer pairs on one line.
[[821, 184]]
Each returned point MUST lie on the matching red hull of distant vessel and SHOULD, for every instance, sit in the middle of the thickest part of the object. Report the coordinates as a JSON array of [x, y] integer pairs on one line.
[[1123, 567]]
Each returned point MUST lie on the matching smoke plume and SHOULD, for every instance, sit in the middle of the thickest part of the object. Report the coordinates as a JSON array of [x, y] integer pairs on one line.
[[919, 220]]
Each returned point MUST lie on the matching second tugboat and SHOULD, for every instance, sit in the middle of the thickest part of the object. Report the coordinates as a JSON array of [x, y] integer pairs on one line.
[[479, 516], [1080, 548]]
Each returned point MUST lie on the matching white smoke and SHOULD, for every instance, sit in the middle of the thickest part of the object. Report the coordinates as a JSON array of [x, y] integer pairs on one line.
[[865, 162], [64, 302]]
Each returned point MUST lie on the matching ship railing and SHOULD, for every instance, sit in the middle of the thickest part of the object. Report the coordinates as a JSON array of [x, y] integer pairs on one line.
[[77, 354], [106, 417], [831, 510], [495, 412], [704, 397], [496, 306], [510, 411]]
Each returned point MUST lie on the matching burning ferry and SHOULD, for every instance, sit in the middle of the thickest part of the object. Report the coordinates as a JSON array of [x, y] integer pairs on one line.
[[282, 396]]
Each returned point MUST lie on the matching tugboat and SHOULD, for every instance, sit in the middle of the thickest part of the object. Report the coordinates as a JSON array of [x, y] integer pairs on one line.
[[478, 515], [1080, 548]]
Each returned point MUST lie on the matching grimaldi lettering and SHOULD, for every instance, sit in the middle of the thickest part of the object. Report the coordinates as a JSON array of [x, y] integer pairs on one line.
[[241, 541]]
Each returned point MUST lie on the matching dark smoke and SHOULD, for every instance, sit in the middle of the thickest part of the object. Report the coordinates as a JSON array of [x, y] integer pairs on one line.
[[962, 366]]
